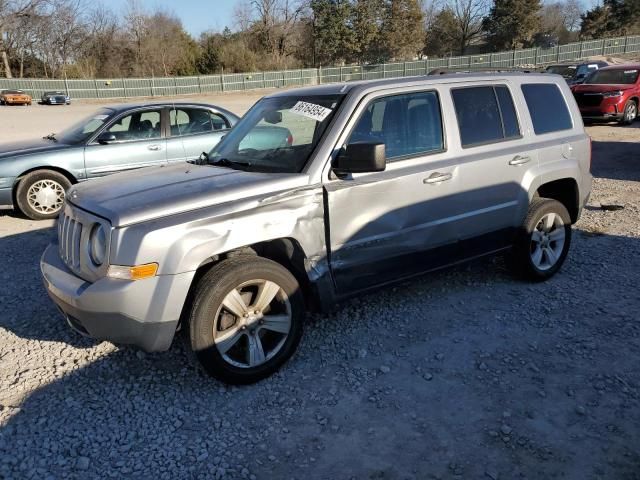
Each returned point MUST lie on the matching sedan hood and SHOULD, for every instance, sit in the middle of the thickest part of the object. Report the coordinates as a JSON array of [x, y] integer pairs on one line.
[[154, 192], [28, 147], [597, 88]]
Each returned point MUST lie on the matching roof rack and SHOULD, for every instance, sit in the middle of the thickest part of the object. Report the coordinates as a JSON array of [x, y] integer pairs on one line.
[[444, 71]]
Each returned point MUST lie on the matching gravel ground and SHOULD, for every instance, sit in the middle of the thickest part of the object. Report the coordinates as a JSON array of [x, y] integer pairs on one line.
[[463, 374]]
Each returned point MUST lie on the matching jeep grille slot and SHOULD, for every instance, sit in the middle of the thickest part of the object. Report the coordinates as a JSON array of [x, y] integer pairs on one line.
[[69, 235]]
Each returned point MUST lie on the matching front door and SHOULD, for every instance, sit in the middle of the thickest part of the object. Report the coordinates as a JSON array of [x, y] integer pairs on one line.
[[392, 224], [136, 142]]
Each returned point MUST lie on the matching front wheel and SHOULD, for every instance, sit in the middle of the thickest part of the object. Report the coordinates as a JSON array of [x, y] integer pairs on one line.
[[246, 319], [40, 194], [630, 113], [543, 240]]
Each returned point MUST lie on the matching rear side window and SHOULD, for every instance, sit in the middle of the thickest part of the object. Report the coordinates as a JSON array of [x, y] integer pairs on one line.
[[547, 107], [485, 115]]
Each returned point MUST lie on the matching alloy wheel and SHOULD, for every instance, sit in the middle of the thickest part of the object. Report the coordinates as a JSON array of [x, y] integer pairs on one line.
[[547, 241], [252, 324]]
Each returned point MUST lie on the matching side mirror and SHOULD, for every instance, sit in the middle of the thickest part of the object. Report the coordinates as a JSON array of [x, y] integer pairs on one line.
[[106, 138], [203, 159], [361, 158]]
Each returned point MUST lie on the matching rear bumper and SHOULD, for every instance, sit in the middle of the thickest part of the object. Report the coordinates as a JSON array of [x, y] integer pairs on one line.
[[143, 313]]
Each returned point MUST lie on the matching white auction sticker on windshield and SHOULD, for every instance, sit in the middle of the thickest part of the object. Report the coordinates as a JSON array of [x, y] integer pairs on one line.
[[630, 71], [311, 110], [100, 117]]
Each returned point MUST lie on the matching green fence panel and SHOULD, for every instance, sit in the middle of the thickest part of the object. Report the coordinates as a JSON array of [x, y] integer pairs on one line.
[[105, 88], [632, 44]]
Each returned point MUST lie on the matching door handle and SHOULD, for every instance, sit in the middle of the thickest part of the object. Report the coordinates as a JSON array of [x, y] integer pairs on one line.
[[437, 177], [518, 160], [154, 147]]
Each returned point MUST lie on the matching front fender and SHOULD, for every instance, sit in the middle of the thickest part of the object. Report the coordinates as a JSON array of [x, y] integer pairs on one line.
[[182, 243]]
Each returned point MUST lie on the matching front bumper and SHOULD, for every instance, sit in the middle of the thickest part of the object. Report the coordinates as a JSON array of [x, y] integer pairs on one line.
[[143, 313]]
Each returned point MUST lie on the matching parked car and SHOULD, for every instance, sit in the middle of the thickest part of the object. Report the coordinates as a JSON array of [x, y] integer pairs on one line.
[[14, 97], [55, 98], [383, 180], [575, 73], [611, 93], [36, 174]]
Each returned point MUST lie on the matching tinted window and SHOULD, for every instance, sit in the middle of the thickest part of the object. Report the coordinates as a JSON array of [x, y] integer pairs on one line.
[[547, 107], [612, 77], [407, 124], [509, 117], [137, 126], [188, 121]]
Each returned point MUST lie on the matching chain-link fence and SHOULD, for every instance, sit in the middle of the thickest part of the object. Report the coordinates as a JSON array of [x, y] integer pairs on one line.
[[155, 87]]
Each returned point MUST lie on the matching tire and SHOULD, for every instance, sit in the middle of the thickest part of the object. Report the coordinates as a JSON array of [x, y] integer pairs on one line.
[[541, 248], [229, 357], [53, 186], [630, 113]]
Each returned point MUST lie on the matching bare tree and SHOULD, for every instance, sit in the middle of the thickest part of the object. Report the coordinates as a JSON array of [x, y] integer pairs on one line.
[[468, 17]]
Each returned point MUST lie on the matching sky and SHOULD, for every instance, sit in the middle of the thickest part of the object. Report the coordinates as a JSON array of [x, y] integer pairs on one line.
[[197, 15]]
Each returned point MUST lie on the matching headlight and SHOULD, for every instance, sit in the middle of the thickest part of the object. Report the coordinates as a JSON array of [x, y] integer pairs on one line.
[[98, 244], [611, 94]]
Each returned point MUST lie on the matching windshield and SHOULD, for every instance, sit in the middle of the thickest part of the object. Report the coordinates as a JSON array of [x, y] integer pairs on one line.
[[584, 70], [13, 92], [278, 134], [564, 70], [614, 77], [81, 131]]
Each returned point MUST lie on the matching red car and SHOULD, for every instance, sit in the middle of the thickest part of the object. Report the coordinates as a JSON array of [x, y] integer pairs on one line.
[[610, 93]]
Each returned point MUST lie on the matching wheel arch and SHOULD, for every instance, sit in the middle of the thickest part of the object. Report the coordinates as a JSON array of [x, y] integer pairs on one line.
[[564, 190], [286, 251], [62, 171]]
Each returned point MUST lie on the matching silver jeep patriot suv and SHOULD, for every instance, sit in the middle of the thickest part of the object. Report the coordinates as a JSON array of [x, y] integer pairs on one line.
[[318, 194]]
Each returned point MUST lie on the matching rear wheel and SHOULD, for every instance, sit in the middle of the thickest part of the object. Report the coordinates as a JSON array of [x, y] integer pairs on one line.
[[543, 241], [246, 319], [630, 113], [40, 194]]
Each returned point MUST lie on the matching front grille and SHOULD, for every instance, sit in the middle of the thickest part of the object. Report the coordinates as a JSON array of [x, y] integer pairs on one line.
[[69, 236], [588, 99], [60, 99]]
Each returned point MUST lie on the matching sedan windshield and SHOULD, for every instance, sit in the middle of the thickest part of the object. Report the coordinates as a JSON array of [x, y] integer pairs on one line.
[[564, 70], [81, 131], [614, 77], [277, 135]]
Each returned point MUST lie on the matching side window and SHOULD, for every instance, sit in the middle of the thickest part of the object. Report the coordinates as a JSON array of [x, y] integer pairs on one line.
[[408, 124], [547, 107], [137, 126], [189, 121], [485, 115], [218, 121]]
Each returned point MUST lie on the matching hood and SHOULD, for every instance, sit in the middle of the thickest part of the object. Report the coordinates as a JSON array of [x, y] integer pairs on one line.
[[29, 147], [597, 88], [148, 193]]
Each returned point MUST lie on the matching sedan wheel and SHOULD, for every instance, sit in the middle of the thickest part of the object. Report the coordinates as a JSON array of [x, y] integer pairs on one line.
[[40, 194]]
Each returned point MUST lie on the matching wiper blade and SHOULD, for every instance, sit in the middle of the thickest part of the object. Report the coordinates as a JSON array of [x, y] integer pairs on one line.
[[51, 136], [225, 162]]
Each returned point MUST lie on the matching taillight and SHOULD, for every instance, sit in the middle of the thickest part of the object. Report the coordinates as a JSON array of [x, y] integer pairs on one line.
[[290, 140]]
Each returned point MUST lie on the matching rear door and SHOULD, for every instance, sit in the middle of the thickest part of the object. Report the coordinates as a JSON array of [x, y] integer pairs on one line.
[[139, 142], [193, 130], [496, 159]]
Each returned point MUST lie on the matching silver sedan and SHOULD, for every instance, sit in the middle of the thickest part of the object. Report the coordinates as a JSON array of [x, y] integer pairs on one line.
[[34, 175]]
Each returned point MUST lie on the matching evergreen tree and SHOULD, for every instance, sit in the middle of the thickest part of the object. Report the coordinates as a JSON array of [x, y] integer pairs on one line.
[[403, 29], [333, 40], [512, 23]]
